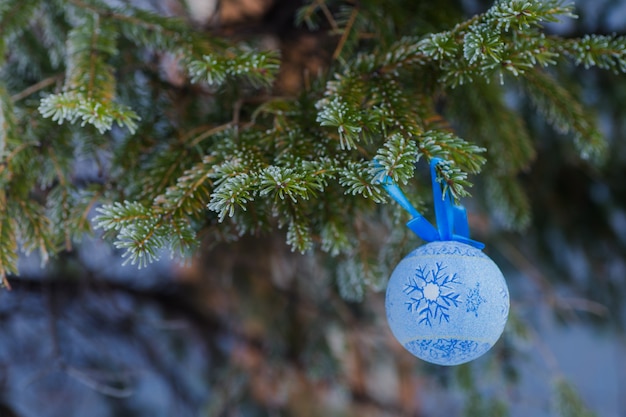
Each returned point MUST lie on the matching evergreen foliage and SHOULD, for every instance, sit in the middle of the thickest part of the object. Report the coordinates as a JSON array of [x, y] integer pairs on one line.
[[567, 402], [227, 155]]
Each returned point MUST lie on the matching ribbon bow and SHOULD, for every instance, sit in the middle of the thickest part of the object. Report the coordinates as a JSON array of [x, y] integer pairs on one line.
[[451, 218]]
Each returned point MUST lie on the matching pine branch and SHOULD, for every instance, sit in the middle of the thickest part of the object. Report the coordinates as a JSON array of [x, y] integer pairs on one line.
[[334, 237], [568, 402], [34, 229], [162, 170], [299, 235], [350, 282], [147, 29], [87, 46], [7, 124], [391, 108], [15, 16], [359, 178], [143, 232], [606, 52], [505, 38], [483, 44], [31, 225], [445, 145], [303, 163], [397, 157], [508, 202], [206, 58], [453, 179], [16, 152], [337, 113], [292, 183], [566, 114], [524, 14], [89, 82], [258, 68], [8, 242], [509, 146], [54, 28], [68, 208], [192, 192], [247, 174], [118, 216], [234, 191]]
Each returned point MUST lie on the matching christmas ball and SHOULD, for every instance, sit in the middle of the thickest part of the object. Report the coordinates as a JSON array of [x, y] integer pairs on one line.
[[447, 302]]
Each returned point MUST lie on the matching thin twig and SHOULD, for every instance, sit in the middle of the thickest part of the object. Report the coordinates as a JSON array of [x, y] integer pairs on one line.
[[36, 87], [5, 282], [92, 202], [582, 304], [327, 14], [346, 33], [564, 304], [98, 386], [211, 132]]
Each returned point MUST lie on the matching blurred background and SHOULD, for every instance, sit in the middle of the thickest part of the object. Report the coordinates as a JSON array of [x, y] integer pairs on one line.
[[249, 328]]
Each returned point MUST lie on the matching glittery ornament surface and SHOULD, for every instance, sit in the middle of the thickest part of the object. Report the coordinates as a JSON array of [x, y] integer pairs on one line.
[[447, 302]]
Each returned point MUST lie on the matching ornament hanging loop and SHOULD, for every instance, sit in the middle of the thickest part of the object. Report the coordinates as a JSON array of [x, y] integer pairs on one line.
[[451, 218]]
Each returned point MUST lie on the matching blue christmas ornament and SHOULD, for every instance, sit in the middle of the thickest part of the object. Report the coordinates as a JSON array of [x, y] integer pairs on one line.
[[447, 302]]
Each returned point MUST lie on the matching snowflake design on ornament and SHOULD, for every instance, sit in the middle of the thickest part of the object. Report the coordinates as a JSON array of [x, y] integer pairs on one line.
[[447, 351], [474, 300], [432, 293]]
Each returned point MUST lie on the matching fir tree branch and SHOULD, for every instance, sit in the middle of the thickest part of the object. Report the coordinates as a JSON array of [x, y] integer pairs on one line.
[[7, 126], [606, 52], [15, 16], [191, 194], [258, 68], [89, 82], [67, 213], [453, 179], [337, 113], [397, 158], [7, 162], [508, 202], [445, 145], [149, 29], [568, 402], [164, 168], [8, 242], [142, 232], [359, 178], [506, 17], [299, 235], [524, 14], [302, 162], [505, 38], [505, 137], [205, 58], [565, 113], [235, 191], [120, 215], [34, 229], [81, 211]]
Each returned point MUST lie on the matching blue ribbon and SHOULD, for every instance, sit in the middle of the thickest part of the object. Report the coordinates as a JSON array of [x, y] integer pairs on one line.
[[451, 218]]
